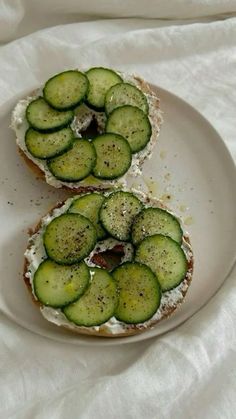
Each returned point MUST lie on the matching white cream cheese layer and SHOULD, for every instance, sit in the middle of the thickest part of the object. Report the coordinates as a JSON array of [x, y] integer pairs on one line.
[[35, 254], [81, 121]]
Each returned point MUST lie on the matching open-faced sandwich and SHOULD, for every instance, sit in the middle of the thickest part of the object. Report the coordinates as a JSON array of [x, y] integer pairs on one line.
[[88, 129], [110, 263]]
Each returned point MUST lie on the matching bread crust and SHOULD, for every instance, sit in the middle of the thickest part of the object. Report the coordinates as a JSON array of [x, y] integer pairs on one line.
[[132, 329]]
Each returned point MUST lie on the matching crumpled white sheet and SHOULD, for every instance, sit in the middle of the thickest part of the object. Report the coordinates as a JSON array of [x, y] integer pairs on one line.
[[190, 372], [20, 17]]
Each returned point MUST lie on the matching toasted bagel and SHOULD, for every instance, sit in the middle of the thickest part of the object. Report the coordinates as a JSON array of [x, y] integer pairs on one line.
[[170, 300], [39, 166]]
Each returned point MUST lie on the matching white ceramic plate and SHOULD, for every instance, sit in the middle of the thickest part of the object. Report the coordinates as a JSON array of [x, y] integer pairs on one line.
[[191, 170]]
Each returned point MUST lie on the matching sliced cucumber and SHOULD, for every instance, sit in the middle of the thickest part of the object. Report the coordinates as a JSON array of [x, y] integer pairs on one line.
[[89, 206], [125, 94], [100, 81], [114, 156], [139, 293], [152, 221], [58, 285], [42, 117], [118, 212], [46, 145], [166, 259], [69, 238], [132, 123], [76, 163], [98, 303], [66, 90]]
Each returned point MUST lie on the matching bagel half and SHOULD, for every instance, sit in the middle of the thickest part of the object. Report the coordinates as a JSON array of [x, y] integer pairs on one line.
[[170, 300], [19, 124]]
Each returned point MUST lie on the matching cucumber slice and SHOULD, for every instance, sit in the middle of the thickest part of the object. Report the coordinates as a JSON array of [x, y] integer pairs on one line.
[[100, 81], [42, 117], [132, 123], [76, 163], [166, 259], [155, 221], [46, 145], [98, 303], [89, 206], [139, 293], [118, 212], [69, 238], [114, 156], [66, 90], [58, 285], [125, 94]]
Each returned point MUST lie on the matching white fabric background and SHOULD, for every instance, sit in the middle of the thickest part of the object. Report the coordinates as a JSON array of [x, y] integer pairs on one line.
[[190, 372]]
